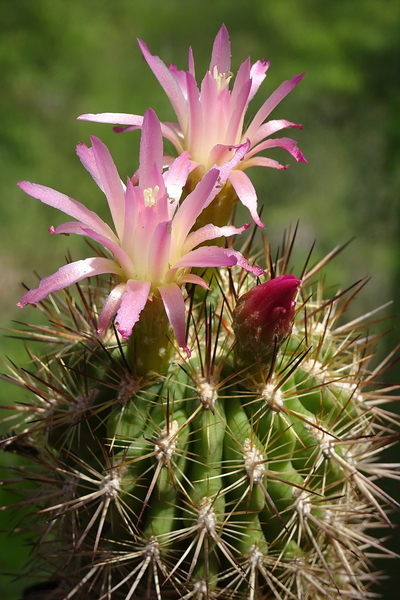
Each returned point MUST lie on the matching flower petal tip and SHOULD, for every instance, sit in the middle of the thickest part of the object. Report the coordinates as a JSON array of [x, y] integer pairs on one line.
[[258, 271]]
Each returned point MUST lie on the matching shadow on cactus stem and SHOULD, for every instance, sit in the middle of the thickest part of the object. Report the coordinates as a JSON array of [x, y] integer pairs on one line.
[[214, 477]]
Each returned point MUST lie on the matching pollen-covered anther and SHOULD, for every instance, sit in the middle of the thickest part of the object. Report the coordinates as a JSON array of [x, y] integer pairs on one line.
[[207, 392], [149, 196], [272, 396], [253, 462], [166, 442], [81, 404], [222, 79], [112, 484], [206, 518]]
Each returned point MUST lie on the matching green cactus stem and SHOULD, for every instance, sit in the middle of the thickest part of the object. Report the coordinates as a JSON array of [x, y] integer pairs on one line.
[[158, 475]]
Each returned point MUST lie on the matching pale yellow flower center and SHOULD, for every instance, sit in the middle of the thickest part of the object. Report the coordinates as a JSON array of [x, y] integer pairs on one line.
[[149, 196], [222, 79]]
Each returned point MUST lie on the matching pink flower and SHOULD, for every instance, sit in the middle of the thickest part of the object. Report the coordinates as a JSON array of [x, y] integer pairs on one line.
[[263, 317], [152, 244], [211, 119]]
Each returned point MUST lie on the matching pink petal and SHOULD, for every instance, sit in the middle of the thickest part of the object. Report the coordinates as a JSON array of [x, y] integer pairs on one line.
[[158, 257], [257, 74], [111, 306], [68, 228], [239, 105], [122, 257], [221, 52], [263, 161], [131, 123], [190, 278], [210, 232], [68, 275], [227, 168], [116, 118], [175, 308], [175, 178], [206, 256], [276, 97], [191, 62], [88, 160], [151, 150], [242, 262], [246, 193], [193, 204], [214, 118], [68, 205], [270, 128], [214, 256], [180, 77], [172, 132], [111, 182], [194, 133], [242, 78], [81, 229], [133, 196], [160, 195], [133, 301], [168, 83], [285, 143], [220, 154]]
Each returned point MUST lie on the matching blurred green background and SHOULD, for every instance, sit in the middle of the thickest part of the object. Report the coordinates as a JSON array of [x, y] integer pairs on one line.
[[62, 58]]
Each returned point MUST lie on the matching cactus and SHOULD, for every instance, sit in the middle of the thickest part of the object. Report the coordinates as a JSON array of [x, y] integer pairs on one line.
[[220, 440]]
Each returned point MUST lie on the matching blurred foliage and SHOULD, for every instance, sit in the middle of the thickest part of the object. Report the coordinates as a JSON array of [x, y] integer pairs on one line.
[[62, 58]]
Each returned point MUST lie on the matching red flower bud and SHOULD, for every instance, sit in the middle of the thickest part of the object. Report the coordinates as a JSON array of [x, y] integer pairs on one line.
[[263, 318]]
